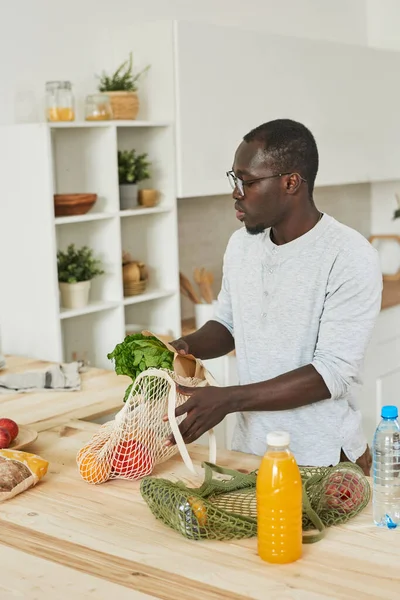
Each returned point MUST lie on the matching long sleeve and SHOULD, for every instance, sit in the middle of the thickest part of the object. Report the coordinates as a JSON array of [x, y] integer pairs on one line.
[[352, 305]]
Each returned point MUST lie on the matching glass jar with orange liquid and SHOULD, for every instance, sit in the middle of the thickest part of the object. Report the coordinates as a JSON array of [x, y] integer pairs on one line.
[[279, 502], [59, 101]]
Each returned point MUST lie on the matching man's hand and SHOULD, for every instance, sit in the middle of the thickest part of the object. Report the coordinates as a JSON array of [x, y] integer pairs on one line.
[[181, 346], [205, 408]]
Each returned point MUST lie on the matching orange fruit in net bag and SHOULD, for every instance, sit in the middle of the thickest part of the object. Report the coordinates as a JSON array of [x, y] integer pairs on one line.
[[93, 468], [199, 509]]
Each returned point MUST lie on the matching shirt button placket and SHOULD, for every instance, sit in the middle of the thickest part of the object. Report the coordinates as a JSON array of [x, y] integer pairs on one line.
[[269, 281]]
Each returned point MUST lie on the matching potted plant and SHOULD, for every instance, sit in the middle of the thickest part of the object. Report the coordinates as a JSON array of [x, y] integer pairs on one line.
[[76, 269], [132, 169], [121, 88]]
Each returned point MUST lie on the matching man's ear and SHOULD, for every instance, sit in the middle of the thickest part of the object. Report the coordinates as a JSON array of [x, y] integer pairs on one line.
[[293, 182]]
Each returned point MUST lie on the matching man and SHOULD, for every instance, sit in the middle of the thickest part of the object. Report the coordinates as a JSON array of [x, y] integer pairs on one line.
[[299, 299]]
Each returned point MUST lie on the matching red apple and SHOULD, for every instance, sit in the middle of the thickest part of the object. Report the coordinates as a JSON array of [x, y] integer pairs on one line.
[[11, 426], [344, 491], [5, 437]]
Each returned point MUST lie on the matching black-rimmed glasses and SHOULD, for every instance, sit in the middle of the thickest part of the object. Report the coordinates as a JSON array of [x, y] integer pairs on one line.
[[238, 183]]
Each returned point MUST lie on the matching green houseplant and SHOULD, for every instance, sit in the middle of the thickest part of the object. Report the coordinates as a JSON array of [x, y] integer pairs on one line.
[[76, 268], [121, 87], [133, 168]]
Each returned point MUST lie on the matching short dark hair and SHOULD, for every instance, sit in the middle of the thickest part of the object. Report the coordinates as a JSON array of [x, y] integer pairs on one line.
[[291, 146]]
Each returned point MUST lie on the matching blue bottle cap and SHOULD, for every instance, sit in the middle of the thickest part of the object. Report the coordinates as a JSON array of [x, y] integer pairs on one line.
[[389, 412]]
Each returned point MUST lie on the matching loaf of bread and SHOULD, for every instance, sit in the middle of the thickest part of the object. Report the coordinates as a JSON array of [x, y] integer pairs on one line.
[[19, 471]]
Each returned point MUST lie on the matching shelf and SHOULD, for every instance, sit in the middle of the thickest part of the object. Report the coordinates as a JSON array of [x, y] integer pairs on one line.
[[90, 124], [82, 218], [147, 296], [92, 307], [79, 157], [136, 212]]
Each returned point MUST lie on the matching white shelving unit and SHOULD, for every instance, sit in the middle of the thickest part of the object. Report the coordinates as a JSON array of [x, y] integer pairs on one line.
[[39, 160]]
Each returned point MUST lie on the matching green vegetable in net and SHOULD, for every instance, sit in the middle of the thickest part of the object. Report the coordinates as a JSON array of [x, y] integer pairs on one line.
[[225, 508], [137, 353]]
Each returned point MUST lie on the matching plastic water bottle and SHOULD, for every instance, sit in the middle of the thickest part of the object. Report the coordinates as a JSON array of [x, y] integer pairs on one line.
[[279, 502], [386, 469]]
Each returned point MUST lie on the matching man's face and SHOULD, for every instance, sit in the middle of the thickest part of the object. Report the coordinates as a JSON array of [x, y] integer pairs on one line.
[[265, 202]]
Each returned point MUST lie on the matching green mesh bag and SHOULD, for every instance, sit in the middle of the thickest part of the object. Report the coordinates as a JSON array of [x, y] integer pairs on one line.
[[224, 507]]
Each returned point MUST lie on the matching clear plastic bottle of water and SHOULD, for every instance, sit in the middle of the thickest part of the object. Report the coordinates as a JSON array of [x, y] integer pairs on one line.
[[386, 469]]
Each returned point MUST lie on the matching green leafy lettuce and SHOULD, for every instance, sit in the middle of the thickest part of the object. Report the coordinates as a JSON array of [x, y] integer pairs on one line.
[[137, 353]]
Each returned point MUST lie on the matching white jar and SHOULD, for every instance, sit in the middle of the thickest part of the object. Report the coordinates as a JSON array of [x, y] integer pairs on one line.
[[204, 313], [389, 254]]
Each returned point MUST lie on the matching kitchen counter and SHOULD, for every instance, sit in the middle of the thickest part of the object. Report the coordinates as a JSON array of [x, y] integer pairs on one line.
[[66, 537], [101, 394], [41, 579]]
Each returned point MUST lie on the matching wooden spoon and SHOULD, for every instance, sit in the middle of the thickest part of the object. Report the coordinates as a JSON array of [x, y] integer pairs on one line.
[[187, 289], [202, 279]]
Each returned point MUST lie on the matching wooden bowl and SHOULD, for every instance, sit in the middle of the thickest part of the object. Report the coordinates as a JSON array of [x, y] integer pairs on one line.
[[25, 437], [67, 205]]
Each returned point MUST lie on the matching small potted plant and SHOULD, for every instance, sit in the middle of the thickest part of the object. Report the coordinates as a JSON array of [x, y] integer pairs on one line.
[[121, 88], [132, 169], [76, 269]]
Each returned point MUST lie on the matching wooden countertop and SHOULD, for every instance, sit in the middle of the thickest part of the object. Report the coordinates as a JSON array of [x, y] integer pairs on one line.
[[101, 394], [66, 537], [41, 579], [104, 538]]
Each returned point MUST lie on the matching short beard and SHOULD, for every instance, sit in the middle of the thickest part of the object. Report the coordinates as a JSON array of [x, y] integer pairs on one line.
[[256, 230]]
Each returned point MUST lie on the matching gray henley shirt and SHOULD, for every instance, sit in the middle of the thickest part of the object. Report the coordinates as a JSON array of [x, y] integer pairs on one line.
[[313, 300]]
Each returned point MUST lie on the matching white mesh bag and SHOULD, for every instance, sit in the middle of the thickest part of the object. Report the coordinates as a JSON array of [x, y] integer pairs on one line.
[[130, 446]]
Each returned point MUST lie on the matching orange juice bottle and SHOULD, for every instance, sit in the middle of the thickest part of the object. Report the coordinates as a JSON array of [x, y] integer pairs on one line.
[[279, 502]]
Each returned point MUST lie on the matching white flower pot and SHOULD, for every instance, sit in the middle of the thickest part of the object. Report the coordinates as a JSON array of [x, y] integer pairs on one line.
[[203, 313], [128, 196], [75, 295]]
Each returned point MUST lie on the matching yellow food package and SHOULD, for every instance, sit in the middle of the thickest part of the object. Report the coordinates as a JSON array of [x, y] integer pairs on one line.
[[19, 471]]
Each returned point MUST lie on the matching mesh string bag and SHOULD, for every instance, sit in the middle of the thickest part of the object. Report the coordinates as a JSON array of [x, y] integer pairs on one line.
[[225, 508], [132, 444]]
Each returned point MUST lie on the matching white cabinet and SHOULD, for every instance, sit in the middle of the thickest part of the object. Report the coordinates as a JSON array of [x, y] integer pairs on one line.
[[228, 80], [381, 370]]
